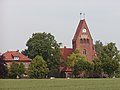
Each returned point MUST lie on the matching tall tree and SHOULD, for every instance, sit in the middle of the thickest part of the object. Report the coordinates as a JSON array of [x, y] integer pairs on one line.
[[45, 45], [99, 48], [38, 68], [110, 59], [3, 71]]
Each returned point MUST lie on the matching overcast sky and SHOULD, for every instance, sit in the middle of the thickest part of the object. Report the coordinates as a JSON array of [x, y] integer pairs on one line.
[[20, 18]]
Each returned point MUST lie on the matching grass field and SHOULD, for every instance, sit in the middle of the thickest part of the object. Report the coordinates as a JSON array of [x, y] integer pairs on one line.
[[60, 84]]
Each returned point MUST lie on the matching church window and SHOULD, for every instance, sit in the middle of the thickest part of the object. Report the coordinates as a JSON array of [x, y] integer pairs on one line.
[[87, 41], [84, 41], [81, 41], [84, 51]]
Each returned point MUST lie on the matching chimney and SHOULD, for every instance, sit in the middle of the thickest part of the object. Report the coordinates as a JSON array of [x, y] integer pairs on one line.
[[64, 46]]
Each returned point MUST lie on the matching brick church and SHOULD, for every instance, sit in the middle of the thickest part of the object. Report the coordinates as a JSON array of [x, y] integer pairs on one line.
[[82, 41]]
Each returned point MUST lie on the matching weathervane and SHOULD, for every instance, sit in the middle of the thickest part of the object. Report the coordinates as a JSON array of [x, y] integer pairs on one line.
[[82, 16]]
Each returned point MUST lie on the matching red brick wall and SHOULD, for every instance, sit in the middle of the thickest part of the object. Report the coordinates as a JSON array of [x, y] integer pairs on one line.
[[90, 52]]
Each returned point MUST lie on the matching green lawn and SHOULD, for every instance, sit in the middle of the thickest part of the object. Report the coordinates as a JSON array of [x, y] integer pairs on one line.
[[60, 84]]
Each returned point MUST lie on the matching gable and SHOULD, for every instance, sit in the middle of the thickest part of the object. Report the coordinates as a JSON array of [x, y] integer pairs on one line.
[[82, 31]]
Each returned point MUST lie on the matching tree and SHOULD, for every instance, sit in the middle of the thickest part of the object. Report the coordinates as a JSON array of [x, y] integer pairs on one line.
[[98, 48], [79, 64], [45, 45], [3, 71], [83, 68], [21, 69], [109, 67], [16, 70], [73, 58], [97, 68], [38, 68], [110, 59]]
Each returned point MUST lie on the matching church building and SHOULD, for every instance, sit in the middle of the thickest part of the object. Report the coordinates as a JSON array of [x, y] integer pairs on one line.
[[82, 41]]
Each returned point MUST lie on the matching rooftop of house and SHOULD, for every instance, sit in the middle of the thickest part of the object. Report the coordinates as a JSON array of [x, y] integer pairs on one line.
[[14, 55]]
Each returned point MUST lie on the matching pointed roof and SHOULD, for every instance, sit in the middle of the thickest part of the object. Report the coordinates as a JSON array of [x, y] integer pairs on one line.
[[82, 24]]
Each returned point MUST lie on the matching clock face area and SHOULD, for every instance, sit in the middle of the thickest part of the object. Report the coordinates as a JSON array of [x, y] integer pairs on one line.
[[84, 30]]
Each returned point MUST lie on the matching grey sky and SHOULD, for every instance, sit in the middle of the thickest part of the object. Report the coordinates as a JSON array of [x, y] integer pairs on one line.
[[20, 18]]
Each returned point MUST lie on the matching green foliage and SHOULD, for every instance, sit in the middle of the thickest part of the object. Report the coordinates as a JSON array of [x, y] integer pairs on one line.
[[117, 72], [16, 70], [99, 48], [74, 58], [110, 52], [97, 68], [21, 69], [38, 68], [109, 58], [82, 68], [109, 67], [79, 64], [3, 71], [45, 45]]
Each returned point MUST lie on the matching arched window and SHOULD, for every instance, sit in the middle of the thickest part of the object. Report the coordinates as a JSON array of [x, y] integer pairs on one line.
[[87, 41], [81, 41], [84, 51], [84, 41]]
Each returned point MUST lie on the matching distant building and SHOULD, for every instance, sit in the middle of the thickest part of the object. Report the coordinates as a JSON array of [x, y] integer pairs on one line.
[[10, 56], [82, 41]]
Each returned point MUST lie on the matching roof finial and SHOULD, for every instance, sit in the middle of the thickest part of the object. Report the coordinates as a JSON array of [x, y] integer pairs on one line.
[[83, 15], [80, 16]]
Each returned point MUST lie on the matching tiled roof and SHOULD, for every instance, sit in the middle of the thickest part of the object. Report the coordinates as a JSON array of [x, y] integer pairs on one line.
[[9, 55], [66, 52]]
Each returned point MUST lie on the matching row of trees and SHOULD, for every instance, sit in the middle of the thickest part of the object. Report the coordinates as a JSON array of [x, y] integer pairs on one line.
[[45, 52], [106, 64], [15, 70], [37, 69]]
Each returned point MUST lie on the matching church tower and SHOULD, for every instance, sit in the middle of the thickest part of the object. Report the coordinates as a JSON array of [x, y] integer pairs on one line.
[[83, 41]]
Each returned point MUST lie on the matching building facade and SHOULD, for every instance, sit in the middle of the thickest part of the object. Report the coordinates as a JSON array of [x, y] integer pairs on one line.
[[14, 56], [82, 41]]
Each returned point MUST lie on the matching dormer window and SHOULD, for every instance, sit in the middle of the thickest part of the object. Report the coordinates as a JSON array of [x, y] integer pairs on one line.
[[16, 57]]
